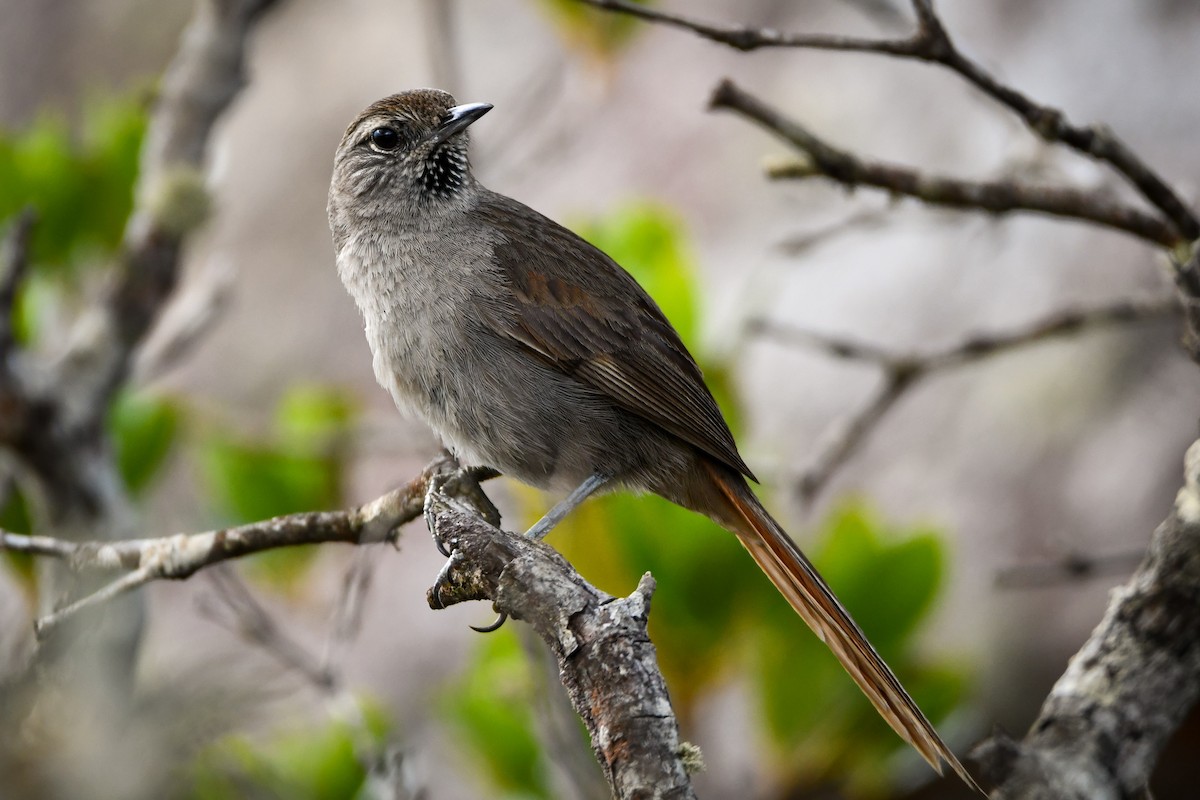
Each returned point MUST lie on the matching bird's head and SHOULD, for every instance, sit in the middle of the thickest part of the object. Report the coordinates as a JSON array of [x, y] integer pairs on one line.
[[409, 149]]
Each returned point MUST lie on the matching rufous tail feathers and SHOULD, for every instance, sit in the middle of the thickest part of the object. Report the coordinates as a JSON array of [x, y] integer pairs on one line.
[[797, 580]]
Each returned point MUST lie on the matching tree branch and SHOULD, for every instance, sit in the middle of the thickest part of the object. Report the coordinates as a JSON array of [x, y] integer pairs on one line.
[[1127, 690], [747, 38], [203, 79], [182, 555], [901, 372], [994, 197], [605, 657], [932, 43]]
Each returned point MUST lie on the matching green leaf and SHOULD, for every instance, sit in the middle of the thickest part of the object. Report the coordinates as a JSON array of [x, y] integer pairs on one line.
[[80, 182], [258, 481], [310, 763], [143, 429], [867, 564], [36, 296], [701, 571], [314, 417], [254, 482], [14, 517], [298, 466], [490, 706]]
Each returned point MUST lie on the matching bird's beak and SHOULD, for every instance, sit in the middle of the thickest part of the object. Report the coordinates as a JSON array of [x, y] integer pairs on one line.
[[457, 120]]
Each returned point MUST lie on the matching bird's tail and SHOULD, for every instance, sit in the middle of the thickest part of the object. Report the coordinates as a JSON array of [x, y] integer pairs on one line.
[[798, 580]]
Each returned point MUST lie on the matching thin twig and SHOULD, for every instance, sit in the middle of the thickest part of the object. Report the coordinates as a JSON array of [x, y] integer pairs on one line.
[[348, 613], [845, 436], [932, 43], [747, 38], [37, 545], [126, 583], [901, 372], [1068, 569], [247, 617], [801, 243], [255, 624], [996, 197], [1052, 124]]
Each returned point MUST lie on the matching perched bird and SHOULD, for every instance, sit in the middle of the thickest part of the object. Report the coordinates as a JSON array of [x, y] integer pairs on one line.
[[531, 351]]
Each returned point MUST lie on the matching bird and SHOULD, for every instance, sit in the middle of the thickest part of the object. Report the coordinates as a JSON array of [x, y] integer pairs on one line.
[[530, 351]]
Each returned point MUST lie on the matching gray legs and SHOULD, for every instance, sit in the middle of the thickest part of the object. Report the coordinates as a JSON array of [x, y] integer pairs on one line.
[[568, 504]]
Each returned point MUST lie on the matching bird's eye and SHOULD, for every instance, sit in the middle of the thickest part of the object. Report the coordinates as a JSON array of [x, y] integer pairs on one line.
[[385, 138]]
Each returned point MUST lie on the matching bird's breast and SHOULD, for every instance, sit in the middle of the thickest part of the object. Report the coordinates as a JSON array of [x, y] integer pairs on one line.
[[419, 295]]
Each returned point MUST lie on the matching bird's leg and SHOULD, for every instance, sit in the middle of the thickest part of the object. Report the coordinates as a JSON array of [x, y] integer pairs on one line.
[[544, 525], [572, 501]]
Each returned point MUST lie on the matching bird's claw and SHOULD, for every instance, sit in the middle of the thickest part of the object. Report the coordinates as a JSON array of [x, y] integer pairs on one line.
[[495, 626]]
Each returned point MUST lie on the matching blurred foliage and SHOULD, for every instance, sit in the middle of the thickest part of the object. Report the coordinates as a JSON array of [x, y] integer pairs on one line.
[[306, 763], [14, 516], [143, 429], [715, 615], [491, 706], [298, 466], [79, 178], [593, 33], [819, 723]]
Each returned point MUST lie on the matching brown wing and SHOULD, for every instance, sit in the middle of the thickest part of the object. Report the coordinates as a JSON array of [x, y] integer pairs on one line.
[[594, 322]]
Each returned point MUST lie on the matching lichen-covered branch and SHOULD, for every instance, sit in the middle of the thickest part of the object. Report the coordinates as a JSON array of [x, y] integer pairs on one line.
[[1128, 688], [141, 561], [606, 660]]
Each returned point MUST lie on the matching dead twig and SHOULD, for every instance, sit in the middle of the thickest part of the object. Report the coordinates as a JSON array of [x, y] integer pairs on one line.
[[1068, 569], [931, 42], [901, 372], [994, 197]]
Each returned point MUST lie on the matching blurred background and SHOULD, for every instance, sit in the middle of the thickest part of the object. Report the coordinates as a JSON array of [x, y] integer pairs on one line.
[[1064, 449]]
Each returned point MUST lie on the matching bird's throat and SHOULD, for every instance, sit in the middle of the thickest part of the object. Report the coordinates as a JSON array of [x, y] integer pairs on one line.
[[445, 171]]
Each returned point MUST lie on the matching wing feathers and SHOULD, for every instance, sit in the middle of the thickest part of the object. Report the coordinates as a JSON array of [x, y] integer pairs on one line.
[[580, 312]]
